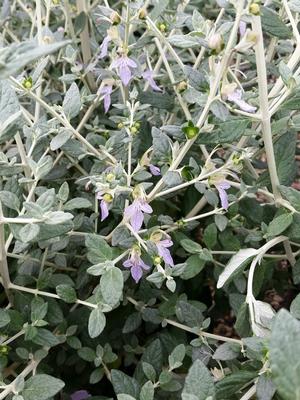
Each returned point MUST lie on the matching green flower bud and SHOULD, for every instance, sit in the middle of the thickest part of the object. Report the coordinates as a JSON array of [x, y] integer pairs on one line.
[[190, 130], [27, 83]]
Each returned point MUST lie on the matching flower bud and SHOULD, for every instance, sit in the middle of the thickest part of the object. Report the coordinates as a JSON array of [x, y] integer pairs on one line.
[[216, 43], [134, 130], [254, 9], [137, 124], [110, 177], [55, 2], [142, 13], [120, 125], [107, 198], [115, 18], [162, 26], [190, 130], [181, 87], [157, 260], [27, 83]]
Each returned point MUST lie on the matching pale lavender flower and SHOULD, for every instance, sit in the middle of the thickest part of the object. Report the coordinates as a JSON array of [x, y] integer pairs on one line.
[[222, 187], [155, 171], [164, 252], [135, 213], [123, 66], [104, 47], [242, 28], [106, 90], [236, 97], [148, 76], [136, 265], [80, 395], [105, 200]]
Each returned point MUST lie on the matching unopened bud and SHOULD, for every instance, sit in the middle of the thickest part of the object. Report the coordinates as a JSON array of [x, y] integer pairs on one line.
[[216, 43], [254, 9], [115, 18], [110, 177], [107, 198], [27, 83], [142, 13], [181, 87]]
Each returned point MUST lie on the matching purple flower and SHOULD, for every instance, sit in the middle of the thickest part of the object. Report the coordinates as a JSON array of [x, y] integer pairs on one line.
[[104, 47], [148, 76], [222, 187], [135, 213], [155, 171], [105, 198], [106, 90], [80, 395], [136, 265], [242, 28], [123, 65], [164, 252], [236, 97]]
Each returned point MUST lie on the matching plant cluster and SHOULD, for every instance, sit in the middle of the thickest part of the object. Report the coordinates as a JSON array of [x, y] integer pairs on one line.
[[149, 203]]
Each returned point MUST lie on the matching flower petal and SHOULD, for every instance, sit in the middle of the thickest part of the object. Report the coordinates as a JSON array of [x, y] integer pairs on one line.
[[223, 197], [155, 171], [145, 207], [104, 47], [165, 254], [80, 395], [136, 220], [125, 74], [136, 272], [104, 210]]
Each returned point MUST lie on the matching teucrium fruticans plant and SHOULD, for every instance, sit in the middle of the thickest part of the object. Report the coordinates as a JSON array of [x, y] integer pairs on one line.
[[149, 211]]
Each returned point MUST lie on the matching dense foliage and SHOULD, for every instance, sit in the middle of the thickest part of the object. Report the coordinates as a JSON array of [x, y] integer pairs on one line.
[[149, 202]]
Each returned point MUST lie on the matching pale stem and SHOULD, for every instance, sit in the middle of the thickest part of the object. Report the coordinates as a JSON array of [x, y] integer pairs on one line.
[[264, 106], [3, 259], [85, 44]]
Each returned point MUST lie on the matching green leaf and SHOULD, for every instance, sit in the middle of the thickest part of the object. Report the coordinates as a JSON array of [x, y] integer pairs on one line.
[[39, 309], [97, 322], [17, 55], [72, 102], [190, 246], [87, 354], [9, 110], [162, 101], [210, 236], [147, 391], [227, 132], [199, 384], [273, 25], [185, 41], [44, 337], [41, 387], [227, 351], [66, 293], [265, 388], [279, 224], [98, 250], [46, 200], [177, 356], [58, 217], [285, 355], [231, 384], [284, 150], [237, 262], [4, 318], [292, 195], [76, 203], [123, 383], [29, 232], [60, 139], [193, 266], [295, 307], [111, 285], [10, 200]]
